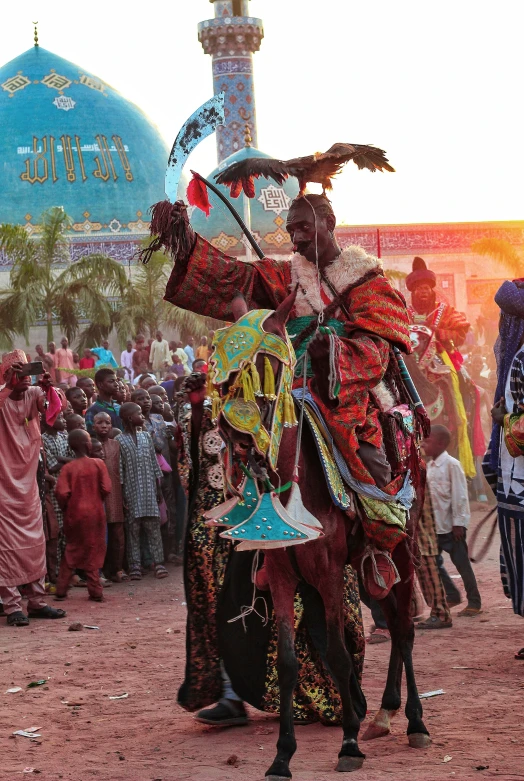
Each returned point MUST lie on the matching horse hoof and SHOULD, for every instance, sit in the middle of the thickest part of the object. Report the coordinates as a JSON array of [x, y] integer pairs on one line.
[[277, 778], [376, 731], [348, 764], [380, 725], [419, 740]]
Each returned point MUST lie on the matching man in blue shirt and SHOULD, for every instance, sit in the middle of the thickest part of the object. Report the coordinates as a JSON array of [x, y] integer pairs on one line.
[[104, 356]]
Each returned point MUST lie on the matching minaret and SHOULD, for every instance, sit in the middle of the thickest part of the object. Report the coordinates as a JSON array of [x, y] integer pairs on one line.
[[231, 38]]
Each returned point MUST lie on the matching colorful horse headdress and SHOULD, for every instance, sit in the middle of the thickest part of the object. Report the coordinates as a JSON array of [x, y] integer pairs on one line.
[[236, 349]]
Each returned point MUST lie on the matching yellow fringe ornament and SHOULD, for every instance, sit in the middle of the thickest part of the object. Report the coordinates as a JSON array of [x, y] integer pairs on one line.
[[269, 380], [246, 384], [290, 418], [216, 404], [255, 379]]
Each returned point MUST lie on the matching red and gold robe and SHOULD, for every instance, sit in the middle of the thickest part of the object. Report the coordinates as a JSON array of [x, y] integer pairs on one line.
[[209, 280], [450, 326]]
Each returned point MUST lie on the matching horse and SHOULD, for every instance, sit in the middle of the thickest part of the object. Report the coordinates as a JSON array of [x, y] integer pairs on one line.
[[320, 563]]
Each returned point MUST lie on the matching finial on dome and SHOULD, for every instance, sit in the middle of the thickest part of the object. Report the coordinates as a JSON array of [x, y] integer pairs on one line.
[[247, 136], [36, 33]]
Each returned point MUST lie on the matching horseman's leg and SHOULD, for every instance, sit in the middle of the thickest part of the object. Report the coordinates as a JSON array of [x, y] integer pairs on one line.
[[402, 626], [391, 698], [340, 665], [283, 585]]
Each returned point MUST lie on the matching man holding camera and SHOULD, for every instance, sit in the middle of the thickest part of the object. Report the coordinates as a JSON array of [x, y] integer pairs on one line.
[[22, 540]]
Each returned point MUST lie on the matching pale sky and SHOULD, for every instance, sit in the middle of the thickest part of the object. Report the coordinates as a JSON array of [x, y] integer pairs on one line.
[[438, 85]]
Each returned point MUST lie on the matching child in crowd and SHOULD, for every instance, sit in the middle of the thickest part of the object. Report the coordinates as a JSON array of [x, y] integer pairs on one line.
[[97, 451], [88, 386], [107, 385], [81, 489], [140, 476], [88, 361], [57, 453], [120, 395], [116, 542], [75, 421], [177, 367], [448, 492], [202, 351], [77, 399]]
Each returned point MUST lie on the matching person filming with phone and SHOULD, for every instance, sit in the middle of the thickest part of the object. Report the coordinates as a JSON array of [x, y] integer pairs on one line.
[[22, 540]]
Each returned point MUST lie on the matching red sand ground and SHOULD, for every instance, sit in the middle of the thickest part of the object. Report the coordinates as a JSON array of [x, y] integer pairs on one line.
[[139, 649]]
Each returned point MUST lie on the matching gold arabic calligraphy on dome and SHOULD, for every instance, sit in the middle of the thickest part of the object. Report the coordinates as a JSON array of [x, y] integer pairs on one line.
[[51, 159]]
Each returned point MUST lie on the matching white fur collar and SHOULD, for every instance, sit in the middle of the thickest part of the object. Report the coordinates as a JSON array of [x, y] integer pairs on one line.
[[352, 263]]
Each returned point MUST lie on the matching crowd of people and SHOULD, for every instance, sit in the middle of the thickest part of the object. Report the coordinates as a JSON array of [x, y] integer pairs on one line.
[[157, 357], [94, 469]]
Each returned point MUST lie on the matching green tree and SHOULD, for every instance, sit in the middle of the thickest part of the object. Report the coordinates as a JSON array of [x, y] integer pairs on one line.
[[144, 310], [46, 285]]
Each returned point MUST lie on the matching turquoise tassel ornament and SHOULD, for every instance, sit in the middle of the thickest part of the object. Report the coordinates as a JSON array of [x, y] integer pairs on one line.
[[237, 509], [270, 526]]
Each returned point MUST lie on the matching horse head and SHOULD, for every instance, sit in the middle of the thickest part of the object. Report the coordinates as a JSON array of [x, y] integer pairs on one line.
[[251, 371]]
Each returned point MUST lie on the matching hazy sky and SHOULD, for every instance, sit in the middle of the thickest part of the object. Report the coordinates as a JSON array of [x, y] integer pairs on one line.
[[438, 85]]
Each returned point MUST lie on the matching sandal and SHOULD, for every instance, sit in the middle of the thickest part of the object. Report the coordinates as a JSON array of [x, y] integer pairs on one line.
[[520, 654], [135, 574], [161, 572], [17, 619], [378, 636], [469, 612], [47, 612]]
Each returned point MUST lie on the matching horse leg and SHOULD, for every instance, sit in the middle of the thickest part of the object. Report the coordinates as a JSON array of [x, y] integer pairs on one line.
[[402, 630], [283, 587], [391, 698], [340, 666]]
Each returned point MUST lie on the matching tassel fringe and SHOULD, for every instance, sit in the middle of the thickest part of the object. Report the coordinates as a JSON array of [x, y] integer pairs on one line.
[[269, 380], [171, 230]]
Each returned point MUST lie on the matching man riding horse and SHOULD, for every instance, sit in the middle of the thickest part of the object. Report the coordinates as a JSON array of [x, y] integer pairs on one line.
[[348, 324], [364, 313]]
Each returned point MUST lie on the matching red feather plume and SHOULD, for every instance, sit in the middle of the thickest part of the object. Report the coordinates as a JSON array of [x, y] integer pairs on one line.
[[197, 195]]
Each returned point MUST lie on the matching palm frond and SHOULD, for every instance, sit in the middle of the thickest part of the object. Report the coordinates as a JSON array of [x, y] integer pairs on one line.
[[501, 251], [53, 245], [20, 309]]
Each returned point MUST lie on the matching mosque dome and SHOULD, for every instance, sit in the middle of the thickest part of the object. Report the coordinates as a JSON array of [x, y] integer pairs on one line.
[[268, 209], [69, 139]]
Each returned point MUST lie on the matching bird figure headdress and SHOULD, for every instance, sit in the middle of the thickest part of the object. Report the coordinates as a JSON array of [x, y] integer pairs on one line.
[[320, 168]]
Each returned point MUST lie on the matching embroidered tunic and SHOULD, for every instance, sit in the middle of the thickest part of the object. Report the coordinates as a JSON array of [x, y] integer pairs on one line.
[[208, 281], [139, 473], [450, 325]]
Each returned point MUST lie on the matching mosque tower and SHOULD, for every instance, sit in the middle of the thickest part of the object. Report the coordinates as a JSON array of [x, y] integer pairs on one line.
[[231, 38]]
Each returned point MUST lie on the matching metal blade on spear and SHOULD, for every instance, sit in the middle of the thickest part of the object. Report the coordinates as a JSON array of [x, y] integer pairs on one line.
[[168, 224]]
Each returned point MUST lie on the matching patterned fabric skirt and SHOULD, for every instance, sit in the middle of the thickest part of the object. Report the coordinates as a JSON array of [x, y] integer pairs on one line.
[[218, 586], [511, 526]]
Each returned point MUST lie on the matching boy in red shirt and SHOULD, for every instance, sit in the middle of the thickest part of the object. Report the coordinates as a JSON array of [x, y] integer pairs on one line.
[[81, 489], [88, 361]]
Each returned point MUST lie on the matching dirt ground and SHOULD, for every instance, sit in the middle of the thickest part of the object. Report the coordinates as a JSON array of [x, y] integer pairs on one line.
[[138, 650]]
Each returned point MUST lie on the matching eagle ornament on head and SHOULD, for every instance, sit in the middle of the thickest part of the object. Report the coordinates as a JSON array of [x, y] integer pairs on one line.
[[319, 168]]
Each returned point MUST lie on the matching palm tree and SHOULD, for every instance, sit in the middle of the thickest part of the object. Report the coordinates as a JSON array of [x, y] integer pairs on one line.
[[41, 288], [144, 310], [501, 251]]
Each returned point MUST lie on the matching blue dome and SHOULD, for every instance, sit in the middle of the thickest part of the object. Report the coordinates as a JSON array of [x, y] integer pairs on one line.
[[268, 208], [68, 139]]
